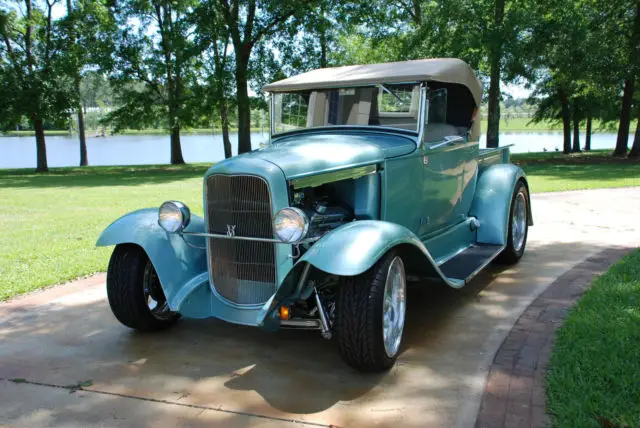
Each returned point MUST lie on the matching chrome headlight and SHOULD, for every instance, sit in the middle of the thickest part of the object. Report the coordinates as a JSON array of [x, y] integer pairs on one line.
[[290, 224], [174, 216]]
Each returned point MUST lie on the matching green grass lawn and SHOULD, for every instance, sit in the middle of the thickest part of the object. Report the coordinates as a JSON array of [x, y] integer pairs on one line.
[[594, 371], [49, 223], [554, 172]]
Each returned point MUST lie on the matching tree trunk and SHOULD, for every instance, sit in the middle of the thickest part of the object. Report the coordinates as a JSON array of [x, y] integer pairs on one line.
[[83, 142], [635, 148], [244, 110], [176, 149], [493, 122], [76, 79], [576, 132], [41, 148], [566, 122], [633, 61], [224, 117], [323, 38], [622, 142], [587, 141]]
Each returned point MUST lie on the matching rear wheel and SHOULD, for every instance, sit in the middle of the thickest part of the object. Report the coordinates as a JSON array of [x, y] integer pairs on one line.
[[518, 226], [134, 291], [370, 315]]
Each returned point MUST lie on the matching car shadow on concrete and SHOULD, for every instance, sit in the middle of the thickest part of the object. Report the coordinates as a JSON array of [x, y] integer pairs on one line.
[[217, 365]]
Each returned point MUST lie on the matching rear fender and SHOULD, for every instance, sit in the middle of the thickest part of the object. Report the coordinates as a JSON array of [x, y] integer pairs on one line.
[[181, 268], [492, 201]]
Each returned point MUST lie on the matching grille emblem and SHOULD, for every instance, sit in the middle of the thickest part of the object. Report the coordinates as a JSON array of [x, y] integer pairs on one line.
[[231, 230]]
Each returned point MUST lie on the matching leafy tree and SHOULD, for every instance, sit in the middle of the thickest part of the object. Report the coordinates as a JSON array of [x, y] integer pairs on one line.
[[95, 90], [86, 30], [249, 23], [491, 35], [214, 39], [156, 66], [73, 19], [625, 29], [32, 82]]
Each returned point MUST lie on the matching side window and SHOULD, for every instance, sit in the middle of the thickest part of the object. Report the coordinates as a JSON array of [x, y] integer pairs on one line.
[[437, 106], [436, 126], [291, 112], [395, 100], [397, 106]]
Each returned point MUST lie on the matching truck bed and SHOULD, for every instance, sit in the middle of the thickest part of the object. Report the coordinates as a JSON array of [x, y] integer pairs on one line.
[[493, 156]]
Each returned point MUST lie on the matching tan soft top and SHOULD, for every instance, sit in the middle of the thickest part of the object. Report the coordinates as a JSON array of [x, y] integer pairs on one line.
[[445, 70]]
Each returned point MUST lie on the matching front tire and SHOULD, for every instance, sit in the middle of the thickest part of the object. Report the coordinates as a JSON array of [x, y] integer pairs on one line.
[[134, 291], [370, 315], [518, 226]]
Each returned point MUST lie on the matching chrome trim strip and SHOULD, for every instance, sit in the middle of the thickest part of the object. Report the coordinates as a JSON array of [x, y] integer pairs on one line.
[[408, 133], [330, 177], [451, 139], [461, 250], [272, 109], [302, 324], [249, 238], [421, 110]]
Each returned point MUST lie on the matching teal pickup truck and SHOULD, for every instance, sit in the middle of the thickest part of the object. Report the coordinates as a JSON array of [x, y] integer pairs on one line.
[[373, 175]]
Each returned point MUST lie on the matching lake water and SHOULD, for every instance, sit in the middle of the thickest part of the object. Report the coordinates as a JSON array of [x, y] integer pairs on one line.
[[20, 152]]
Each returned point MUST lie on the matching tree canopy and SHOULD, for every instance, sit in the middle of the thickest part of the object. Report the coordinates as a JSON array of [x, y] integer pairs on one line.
[[184, 63]]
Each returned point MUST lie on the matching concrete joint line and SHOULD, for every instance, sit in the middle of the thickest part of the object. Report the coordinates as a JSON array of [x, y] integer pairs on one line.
[[79, 387]]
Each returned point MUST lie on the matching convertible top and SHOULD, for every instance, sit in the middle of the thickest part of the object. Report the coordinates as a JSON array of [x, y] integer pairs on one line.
[[443, 70]]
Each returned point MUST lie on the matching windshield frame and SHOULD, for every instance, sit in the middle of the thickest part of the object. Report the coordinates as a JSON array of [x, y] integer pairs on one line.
[[422, 107]]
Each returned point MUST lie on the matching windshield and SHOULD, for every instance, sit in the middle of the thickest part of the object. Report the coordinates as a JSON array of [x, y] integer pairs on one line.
[[392, 105]]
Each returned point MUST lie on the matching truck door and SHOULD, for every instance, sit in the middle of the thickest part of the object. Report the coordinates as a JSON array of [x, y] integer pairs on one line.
[[449, 164], [442, 173]]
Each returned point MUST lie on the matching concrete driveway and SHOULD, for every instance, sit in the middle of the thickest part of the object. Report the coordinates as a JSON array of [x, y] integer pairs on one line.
[[208, 372]]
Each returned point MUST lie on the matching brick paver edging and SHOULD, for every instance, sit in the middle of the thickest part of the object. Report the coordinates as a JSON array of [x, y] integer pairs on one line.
[[514, 393]]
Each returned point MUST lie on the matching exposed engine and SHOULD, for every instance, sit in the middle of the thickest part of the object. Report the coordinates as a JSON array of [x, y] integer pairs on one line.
[[323, 208]]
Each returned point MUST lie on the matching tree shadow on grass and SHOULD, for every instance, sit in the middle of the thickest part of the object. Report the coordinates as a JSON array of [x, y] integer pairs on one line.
[[586, 173], [101, 176]]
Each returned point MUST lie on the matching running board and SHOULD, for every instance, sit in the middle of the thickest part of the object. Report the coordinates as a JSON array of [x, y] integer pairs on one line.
[[468, 263]]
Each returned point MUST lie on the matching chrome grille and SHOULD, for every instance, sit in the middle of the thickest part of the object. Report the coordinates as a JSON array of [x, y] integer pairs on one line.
[[242, 272]]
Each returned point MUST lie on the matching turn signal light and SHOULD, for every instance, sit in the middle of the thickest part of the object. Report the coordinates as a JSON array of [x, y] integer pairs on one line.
[[284, 313]]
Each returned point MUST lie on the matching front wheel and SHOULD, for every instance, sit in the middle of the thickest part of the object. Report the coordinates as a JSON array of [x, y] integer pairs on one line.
[[370, 315], [518, 226], [134, 291]]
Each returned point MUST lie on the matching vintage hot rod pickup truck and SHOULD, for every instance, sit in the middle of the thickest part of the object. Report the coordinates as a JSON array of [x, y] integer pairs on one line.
[[372, 175]]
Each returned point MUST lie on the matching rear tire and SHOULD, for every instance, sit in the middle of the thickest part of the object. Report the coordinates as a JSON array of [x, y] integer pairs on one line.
[[134, 291], [362, 309], [518, 226]]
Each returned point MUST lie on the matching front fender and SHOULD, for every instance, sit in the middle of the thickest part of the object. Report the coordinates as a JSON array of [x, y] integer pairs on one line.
[[181, 268], [354, 248], [492, 202]]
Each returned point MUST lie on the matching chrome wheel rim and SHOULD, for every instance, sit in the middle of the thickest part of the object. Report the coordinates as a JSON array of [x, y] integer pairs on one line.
[[153, 294], [394, 307], [519, 222]]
